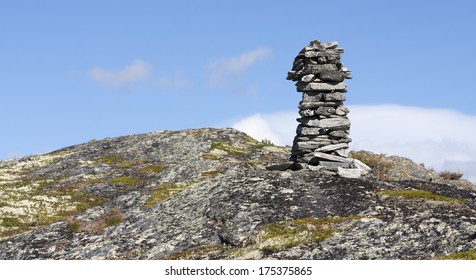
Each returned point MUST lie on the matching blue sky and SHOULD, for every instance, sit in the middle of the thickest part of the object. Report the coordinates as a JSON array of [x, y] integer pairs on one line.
[[72, 71]]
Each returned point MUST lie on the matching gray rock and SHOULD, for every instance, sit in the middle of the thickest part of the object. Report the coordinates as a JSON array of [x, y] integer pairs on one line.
[[316, 105], [280, 167], [311, 97], [307, 113], [301, 86], [308, 78], [330, 45], [310, 145], [342, 110], [331, 148], [317, 69], [335, 124], [334, 96], [332, 76], [325, 111], [349, 172], [329, 157], [306, 131], [361, 166], [338, 134]]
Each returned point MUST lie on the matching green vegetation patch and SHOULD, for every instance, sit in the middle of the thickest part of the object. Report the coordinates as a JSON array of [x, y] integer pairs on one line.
[[466, 255], [229, 149], [164, 191], [212, 173], [154, 168], [288, 234], [211, 156], [420, 194], [126, 181]]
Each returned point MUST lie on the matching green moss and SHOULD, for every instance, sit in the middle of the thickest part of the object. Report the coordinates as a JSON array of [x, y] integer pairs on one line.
[[285, 235], [420, 194], [111, 160], [153, 168], [231, 150], [251, 140], [164, 191], [211, 157], [12, 222], [466, 255], [212, 173], [126, 181]]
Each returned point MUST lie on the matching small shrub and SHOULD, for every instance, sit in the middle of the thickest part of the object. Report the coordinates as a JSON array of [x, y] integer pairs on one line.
[[73, 225], [113, 217], [448, 175], [268, 142], [379, 165]]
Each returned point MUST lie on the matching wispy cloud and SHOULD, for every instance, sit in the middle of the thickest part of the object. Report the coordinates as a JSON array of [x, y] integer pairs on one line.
[[439, 138], [224, 69], [137, 70], [178, 81]]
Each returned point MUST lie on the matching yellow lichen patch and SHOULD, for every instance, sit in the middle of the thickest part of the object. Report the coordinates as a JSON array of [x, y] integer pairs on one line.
[[420, 194], [466, 255], [212, 173], [164, 191]]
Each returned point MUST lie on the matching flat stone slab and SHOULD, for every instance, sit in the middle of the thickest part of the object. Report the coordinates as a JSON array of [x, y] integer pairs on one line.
[[280, 167], [331, 123], [324, 156], [330, 148], [301, 86], [349, 172]]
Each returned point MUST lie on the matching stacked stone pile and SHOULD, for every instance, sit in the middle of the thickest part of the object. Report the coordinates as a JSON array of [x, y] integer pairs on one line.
[[322, 140]]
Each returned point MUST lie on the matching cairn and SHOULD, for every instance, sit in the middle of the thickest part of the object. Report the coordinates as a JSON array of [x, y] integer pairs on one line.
[[322, 137]]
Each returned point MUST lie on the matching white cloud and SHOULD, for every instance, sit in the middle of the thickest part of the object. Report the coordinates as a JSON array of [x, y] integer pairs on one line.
[[176, 82], [137, 70], [222, 70], [439, 138], [277, 127]]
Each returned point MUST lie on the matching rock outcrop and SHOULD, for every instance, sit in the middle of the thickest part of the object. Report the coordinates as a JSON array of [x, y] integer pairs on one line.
[[205, 194]]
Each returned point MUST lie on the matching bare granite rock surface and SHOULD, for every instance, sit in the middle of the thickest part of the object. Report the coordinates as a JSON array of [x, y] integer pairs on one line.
[[206, 194]]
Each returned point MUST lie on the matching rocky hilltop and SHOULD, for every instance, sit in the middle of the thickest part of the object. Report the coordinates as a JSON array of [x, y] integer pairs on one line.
[[206, 194]]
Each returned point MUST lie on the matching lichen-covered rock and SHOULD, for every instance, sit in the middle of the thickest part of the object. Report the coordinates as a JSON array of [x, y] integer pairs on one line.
[[206, 194]]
